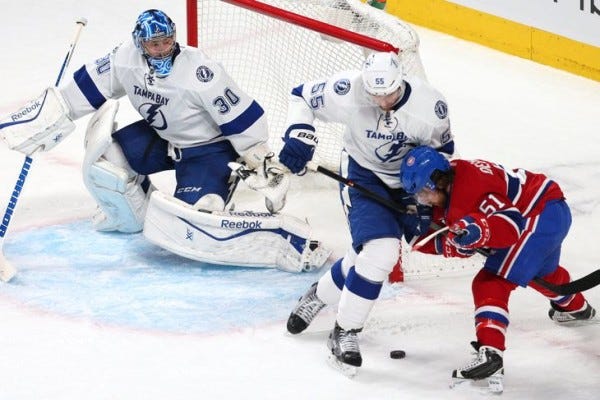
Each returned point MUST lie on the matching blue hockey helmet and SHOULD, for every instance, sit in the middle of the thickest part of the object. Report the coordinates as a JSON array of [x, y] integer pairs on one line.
[[418, 166], [150, 25]]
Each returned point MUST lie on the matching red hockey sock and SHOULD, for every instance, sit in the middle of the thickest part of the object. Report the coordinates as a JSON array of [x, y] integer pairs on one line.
[[574, 302]]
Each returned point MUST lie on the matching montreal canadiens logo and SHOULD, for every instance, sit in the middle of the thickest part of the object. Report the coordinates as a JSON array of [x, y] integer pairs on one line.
[[441, 109], [410, 161], [342, 86], [204, 74]]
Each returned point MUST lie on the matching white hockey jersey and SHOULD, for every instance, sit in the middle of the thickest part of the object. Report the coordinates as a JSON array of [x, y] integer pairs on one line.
[[375, 139], [197, 103]]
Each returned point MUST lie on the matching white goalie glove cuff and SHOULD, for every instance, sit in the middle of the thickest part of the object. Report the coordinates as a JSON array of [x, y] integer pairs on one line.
[[39, 125]]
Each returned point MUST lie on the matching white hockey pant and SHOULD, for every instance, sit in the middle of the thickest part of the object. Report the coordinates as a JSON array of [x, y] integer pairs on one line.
[[372, 267], [243, 238], [108, 177]]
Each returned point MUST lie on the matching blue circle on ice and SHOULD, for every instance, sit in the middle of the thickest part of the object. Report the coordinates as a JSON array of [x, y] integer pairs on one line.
[[121, 279]]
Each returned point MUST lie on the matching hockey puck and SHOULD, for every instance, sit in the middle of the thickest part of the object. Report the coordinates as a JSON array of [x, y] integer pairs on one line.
[[397, 354]]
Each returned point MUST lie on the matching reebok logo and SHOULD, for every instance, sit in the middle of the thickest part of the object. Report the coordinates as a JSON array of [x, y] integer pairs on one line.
[[26, 110], [227, 224], [251, 214]]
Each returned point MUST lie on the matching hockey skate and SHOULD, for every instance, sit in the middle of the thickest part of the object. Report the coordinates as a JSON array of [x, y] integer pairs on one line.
[[562, 317], [485, 372], [345, 353], [305, 311]]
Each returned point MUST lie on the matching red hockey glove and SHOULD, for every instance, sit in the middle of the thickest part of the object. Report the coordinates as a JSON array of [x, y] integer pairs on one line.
[[448, 249], [470, 232]]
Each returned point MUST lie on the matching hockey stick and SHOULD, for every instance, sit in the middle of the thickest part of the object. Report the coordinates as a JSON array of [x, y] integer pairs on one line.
[[7, 270], [582, 284], [422, 242], [312, 166]]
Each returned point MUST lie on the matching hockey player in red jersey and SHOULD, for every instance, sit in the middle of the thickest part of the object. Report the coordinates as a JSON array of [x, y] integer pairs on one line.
[[520, 217]]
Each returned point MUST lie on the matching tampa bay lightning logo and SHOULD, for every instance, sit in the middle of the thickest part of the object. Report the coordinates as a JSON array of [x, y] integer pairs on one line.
[[204, 74], [394, 150], [342, 86], [441, 109], [153, 115]]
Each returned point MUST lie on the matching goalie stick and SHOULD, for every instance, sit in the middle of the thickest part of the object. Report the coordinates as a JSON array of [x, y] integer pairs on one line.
[[7, 270], [579, 285]]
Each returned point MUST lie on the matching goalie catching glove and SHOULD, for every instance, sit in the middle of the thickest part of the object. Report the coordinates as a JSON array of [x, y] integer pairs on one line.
[[39, 125], [269, 179]]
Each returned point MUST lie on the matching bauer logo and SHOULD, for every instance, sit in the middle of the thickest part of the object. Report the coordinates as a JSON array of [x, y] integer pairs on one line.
[[204, 74], [441, 109], [342, 87], [227, 224]]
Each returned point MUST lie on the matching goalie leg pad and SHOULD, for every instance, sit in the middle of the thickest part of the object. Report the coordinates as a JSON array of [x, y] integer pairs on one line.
[[120, 197], [110, 180], [247, 238]]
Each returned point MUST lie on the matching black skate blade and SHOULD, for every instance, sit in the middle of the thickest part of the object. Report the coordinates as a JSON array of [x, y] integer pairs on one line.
[[491, 385], [579, 322], [348, 370]]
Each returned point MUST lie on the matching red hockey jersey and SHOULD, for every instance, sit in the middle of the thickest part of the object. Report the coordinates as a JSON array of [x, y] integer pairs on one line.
[[506, 197]]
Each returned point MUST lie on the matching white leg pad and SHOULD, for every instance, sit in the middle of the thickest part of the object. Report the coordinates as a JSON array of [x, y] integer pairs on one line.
[[109, 178], [246, 238], [121, 200]]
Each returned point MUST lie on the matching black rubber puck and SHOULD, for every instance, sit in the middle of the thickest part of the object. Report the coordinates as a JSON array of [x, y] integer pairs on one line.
[[396, 354]]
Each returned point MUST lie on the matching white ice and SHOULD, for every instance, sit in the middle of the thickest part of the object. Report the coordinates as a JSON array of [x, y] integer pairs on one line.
[[503, 108]]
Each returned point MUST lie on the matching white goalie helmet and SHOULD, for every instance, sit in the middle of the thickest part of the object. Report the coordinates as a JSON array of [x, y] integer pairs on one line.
[[382, 73]]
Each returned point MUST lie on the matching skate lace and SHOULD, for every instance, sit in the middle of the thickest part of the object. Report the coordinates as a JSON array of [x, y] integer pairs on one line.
[[480, 359], [308, 309], [348, 341]]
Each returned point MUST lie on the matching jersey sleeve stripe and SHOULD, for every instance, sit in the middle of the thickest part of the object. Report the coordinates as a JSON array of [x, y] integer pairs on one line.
[[89, 89], [243, 121], [513, 188]]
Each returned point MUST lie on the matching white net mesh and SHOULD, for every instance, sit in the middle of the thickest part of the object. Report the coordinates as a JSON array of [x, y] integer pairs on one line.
[[268, 57]]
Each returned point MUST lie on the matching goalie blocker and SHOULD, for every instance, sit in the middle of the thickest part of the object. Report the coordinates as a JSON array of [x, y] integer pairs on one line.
[[244, 238], [39, 125]]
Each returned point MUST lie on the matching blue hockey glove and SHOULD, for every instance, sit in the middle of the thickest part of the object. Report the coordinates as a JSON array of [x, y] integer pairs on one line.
[[416, 224], [470, 232], [298, 149]]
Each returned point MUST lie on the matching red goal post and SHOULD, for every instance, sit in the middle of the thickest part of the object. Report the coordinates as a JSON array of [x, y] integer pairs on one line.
[[293, 18]]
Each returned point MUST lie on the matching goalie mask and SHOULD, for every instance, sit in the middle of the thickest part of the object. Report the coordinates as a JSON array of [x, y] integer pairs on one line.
[[418, 167], [382, 74], [154, 36]]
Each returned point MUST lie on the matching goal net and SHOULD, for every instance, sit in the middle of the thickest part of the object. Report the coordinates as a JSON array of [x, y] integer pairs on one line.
[[271, 46]]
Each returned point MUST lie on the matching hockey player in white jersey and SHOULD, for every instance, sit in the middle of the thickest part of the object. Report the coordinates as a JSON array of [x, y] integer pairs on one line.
[[386, 115], [195, 120]]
